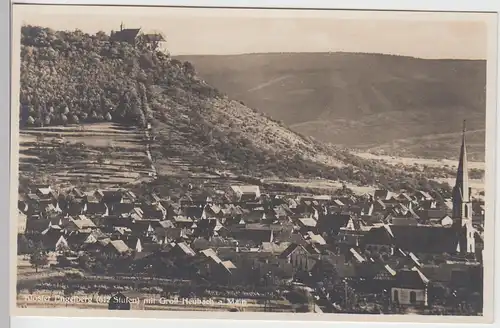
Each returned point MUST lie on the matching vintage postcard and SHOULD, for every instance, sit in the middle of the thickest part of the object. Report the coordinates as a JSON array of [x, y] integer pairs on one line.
[[204, 162]]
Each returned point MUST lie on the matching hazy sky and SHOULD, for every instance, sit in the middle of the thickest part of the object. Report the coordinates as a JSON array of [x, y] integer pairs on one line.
[[235, 31]]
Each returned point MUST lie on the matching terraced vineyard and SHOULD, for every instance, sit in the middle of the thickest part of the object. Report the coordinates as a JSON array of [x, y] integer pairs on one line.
[[104, 154]]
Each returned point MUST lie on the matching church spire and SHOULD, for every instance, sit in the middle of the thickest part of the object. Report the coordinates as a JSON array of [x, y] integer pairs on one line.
[[461, 192]]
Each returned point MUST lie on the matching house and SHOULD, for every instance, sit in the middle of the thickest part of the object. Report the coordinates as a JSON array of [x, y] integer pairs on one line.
[[129, 197], [224, 272], [134, 244], [423, 196], [410, 288], [254, 216], [282, 212], [154, 212], [77, 193], [77, 241], [195, 213], [109, 196], [128, 35], [254, 234], [182, 250], [75, 207], [206, 260], [54, 241], [331, 223], [121, 209], [81, 224], [402, 221], [22, 220], [144, 228], [23, 203], [274, 248], [181, 221], [213, 210], [376, 277], [315, 238], [416, 239], [415, 260], [446, 221], [116, 248], [52, 208], [136, 214], [357, 257], [298, 257], [245, 193], [120, 232], [94, 208], [307, 224], [209, 253], [379, 206], [383, 195], [404, 198], [367, 209], [36, 225], [167, 235], [46, 192]]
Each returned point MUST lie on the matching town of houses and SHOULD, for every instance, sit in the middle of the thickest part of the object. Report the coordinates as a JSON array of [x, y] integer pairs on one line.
[[398, 244]]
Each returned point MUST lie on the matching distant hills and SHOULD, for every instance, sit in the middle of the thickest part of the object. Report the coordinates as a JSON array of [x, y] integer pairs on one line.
[[373, 102]]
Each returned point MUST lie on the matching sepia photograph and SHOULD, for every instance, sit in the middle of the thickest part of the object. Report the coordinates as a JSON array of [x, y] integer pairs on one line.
[[319, 162]]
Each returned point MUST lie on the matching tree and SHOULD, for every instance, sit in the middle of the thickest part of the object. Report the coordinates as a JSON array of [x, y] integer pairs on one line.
[[24, 245], [324, 272], [63, 261], [85, 262], [39, 258]]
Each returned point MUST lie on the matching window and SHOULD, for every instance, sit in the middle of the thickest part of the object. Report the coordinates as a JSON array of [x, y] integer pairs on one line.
[[466, 211], [396, 296], [413, 297]]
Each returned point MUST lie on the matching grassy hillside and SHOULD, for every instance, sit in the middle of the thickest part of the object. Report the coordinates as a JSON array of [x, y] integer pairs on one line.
[[78, 80], [374, 102]]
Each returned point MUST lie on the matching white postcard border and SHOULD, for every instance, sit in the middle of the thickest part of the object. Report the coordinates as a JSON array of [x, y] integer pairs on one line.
[[55, 322]]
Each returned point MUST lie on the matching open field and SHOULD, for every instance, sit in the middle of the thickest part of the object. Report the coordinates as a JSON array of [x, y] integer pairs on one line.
[[101, 154], [477, 185], [438, 145], [411, 161], [323, 184]]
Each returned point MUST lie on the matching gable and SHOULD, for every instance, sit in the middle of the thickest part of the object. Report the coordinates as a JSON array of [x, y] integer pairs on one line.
[[61, 242]]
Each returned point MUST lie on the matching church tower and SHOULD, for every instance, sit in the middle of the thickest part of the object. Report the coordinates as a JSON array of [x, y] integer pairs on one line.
[[462, 202]]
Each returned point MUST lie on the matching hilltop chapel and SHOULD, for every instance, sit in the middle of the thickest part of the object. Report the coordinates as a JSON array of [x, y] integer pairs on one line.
[[462, 204]]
